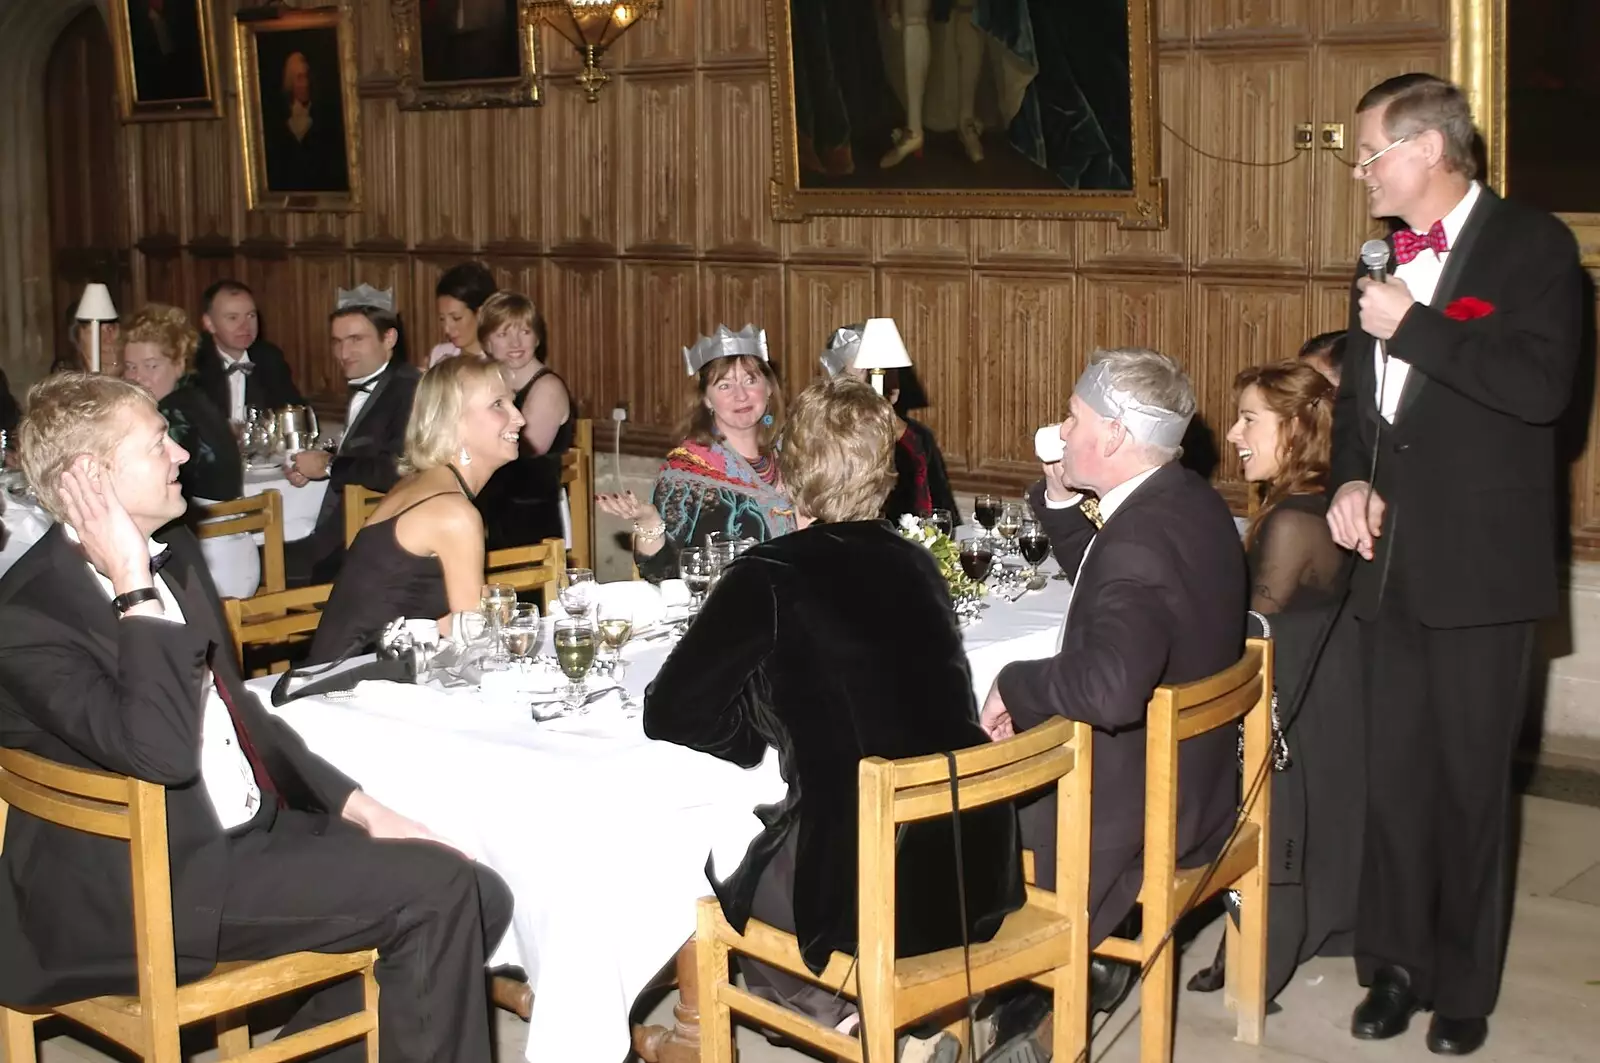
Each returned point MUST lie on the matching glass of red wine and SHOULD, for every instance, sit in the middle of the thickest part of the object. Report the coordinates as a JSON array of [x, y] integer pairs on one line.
[[986, 510], [1034, 547], [977, 557]]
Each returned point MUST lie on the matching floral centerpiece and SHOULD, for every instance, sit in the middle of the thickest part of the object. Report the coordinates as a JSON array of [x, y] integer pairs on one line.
[[964, 590]]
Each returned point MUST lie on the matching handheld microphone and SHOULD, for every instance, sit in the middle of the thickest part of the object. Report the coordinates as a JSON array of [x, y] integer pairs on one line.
[[1375, 256]]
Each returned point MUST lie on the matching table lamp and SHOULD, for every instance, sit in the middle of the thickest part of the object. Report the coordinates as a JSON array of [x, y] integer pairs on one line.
[[95, 307], [881, 349]]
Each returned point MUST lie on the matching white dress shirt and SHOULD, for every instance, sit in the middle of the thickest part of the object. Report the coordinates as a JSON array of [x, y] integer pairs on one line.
[[1109, 504], [1421, 275], [224, 769], [236, 383]]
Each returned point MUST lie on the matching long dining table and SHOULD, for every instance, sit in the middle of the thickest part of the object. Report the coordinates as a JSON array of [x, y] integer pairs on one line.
[[602, 834]]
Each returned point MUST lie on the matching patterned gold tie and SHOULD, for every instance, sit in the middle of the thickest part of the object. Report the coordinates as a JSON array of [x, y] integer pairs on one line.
[[1091, 509]]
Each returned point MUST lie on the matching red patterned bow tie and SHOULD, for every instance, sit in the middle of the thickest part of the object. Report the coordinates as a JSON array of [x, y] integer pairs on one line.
[[1408, 245]]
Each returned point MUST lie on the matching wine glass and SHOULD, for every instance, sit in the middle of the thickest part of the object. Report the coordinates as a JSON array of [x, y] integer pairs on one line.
[[574, 641], [1007, 524], [977, 557], [616, 625], [986, 510], [498, 600], [694, 565], [523, 633], [1035, 547], [942, 522], [577, 593]]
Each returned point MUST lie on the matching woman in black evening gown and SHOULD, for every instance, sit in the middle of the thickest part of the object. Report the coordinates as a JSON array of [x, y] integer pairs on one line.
[[420, 554], [1297, 589], [521, 504]]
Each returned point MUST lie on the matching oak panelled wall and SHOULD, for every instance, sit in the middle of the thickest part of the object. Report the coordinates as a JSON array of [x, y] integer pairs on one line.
[[639, 221]]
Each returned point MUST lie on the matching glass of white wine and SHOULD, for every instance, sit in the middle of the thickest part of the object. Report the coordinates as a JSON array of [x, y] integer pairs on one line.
[[523, 634], [616, 626], [498, 600], [575, 647]]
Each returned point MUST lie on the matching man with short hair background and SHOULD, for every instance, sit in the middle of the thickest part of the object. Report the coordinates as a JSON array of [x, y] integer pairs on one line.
[[235, 367]]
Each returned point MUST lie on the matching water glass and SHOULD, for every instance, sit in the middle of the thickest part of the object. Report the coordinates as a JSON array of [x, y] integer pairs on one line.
[[498, 601], [694, 565], [577, 592], [524, 633]]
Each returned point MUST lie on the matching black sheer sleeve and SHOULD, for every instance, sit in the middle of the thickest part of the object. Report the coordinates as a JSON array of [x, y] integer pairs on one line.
[[1294, 562]]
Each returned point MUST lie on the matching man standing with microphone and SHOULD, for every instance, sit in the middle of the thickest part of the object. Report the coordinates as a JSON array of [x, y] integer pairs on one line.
[[1444, 483]]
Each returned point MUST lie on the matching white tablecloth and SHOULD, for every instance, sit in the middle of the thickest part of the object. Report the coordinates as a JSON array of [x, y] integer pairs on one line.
[[25, 523], [601, 834], [300, 504]]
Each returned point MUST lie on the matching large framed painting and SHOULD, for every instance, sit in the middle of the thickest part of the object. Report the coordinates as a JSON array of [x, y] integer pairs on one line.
[[965, 108], [467, 53], [298, 109], [165, 65]]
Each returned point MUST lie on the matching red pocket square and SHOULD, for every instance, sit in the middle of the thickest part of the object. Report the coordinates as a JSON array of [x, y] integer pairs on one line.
[[1466, 308]]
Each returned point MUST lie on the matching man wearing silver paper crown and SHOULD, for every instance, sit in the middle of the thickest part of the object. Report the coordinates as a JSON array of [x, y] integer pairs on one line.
[[723, 477], [1158, 597], [921, 484], [367, 344]]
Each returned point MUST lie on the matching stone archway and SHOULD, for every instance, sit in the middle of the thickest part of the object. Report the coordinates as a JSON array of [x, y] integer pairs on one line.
[[28, 31]]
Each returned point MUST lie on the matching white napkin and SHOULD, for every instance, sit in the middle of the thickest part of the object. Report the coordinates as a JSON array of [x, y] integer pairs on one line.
[[674, 594]]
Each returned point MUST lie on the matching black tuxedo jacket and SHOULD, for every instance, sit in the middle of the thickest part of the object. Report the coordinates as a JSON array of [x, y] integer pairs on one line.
[[369, 455], [1161, 599], [81, 687], [268, 385], [1468, 471]]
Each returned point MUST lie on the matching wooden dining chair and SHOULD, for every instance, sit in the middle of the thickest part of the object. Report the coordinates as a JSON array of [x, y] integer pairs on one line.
[[1177, 714], [359, 504], [279, 620], [527, 568], [1045, 941], [259, 513], [577, 476], [148, 1022]]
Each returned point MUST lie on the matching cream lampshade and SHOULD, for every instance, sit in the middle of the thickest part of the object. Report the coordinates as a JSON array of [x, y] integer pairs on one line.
[[881, 349], [95, 306]]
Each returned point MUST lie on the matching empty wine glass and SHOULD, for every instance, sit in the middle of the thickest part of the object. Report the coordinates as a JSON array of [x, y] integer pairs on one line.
[[577, 593], [523, 633], [942, 522], [694, 565], [498, 600], [574, 640]]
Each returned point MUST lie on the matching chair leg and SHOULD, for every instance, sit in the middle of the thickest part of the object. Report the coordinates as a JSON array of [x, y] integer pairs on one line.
[[1230, 945], [711, 960], [369, 1003], [17, 1037], [1247, 971], [1156, 1000], [233, 1035], [1071, 1017]]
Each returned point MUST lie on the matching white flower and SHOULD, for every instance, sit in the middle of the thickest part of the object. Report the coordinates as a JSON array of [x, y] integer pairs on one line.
[[909, 522]]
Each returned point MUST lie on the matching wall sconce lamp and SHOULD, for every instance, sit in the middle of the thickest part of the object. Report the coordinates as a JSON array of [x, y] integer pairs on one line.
[[592, 27]]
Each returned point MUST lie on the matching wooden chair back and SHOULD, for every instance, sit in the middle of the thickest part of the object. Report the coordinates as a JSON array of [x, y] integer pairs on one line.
[[1243, 691], [130, 810], [281, 619], [1046, 941], [577, 476], [527, 568], [359, 504], [258, 513]]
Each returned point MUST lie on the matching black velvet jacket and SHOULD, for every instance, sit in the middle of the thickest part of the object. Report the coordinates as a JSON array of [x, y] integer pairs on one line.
[[797, 649]]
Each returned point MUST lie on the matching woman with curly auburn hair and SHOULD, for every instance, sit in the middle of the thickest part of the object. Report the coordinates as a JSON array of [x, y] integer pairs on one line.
[[158, 345], [1297, 589]]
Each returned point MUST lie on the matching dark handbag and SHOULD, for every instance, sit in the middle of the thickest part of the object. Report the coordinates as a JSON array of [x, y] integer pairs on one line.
[[399, 661]]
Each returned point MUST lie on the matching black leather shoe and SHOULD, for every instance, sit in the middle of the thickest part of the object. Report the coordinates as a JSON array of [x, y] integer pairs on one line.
[[1110, 983], [1021, 1018], [1388, 1007], [1456, 1037]]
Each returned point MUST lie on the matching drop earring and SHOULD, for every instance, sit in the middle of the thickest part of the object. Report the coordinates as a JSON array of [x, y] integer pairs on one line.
[[465, 458]]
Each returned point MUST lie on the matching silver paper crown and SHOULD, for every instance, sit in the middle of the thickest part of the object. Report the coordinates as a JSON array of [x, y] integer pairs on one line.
[[725, 343], [365, 295], [843, 346]]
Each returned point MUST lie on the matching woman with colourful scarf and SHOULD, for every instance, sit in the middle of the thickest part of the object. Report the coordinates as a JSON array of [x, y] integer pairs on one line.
[[723, 477]]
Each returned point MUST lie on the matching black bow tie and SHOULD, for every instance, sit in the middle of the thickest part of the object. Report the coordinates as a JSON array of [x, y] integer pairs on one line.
[[159, 561], [365, 388], [239, 367]]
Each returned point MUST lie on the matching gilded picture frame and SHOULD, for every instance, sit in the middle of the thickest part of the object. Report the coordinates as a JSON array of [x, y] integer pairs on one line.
[[165, 60], [460, 54], [299, 115], [1480, 62], [991, 126]]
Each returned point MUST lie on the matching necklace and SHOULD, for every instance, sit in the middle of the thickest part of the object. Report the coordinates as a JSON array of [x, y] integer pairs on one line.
[[765, 468]]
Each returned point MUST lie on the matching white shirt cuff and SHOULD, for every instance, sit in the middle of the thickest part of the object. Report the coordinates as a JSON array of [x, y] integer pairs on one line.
[[1050, 503]]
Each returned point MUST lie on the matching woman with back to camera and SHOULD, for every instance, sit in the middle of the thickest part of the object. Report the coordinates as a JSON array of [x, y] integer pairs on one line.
[[853, 600], [1297, 587], [723, 477], [420, 554], [458, 296]]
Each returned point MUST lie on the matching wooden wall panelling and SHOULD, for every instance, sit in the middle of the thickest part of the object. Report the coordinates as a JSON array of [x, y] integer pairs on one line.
[[1036, 243], [558, 56], [731, 31], [820, 299], [585, 328], [581, 191], [947, 241], [736, 164], [394, 272], [1252, 216], [510, 185], [1023, 365], [385, 162], [205, 269], [525, 275], [1344, 72], [1584, 474], [318, 278], [445, 151], [740, 293], [829, 238], [320, 230], [272, 278], [659, 303], [1120, 311], [163, 281], [668, 40], [1330, 307], [934, 313], [1371, 18], [211, 181], [421, 307], [1239, 324], [163, 174], [1172, 20], [1102, 243], [1251, 21], [660, 204]]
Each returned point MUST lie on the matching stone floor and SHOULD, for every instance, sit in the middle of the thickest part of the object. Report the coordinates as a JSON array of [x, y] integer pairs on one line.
[[1549, 1009]]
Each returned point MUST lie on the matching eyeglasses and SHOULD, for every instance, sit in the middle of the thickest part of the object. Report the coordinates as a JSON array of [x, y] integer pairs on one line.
[[1366, 163]]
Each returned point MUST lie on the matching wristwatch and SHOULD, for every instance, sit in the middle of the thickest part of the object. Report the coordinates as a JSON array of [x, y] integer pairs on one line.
[[123, 602]]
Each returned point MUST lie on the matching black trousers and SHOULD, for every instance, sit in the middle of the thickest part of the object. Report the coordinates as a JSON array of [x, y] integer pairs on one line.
[[321, 885], [1445, 706], [773, 904]]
